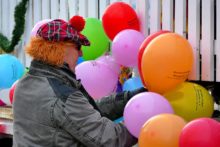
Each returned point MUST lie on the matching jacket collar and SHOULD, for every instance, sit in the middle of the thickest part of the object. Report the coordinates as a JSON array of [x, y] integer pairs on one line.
[[40, 68]]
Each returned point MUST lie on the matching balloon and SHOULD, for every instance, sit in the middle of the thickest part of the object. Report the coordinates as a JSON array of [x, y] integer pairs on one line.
[[38, 25], [132, 84], [119, 120], [117, 17], [161, 131], [190, 101], [166, 62], [2, 103], [12, 90], [11, 70], [99, 41], [110, 62], [26, 70], [142, 48], [203, 132], [125, 47], [80, 60], [142, 107], [4, 96], [97, 78]]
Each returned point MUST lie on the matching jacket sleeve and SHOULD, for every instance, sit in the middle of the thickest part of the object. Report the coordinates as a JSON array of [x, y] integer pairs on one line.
[[78, 117], [112, 106]]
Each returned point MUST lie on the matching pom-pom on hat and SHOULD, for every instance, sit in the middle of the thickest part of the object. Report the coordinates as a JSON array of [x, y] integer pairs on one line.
[[60, 30]]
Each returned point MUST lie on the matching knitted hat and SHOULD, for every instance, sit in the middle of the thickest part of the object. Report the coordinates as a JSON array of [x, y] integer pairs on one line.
[[60, 30]]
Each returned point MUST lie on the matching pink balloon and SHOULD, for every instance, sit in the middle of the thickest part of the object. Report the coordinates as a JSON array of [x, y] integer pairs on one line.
[[97, 78], [110, 62], [37, 26], [125, 47], [142, 107], [2, 103]]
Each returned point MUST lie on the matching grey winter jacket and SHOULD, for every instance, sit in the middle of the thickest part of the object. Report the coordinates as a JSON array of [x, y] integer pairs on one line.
[[52, 109]]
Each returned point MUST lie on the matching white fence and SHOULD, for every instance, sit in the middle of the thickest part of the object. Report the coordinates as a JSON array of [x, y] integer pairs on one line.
[[197, 20]]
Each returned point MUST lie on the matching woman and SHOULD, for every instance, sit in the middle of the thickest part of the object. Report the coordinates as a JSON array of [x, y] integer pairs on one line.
[[51, 107]]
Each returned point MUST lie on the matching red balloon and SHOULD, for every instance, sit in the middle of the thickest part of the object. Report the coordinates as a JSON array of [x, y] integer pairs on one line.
[[203, 132], [11, 91], [142, 48], [117, 17]]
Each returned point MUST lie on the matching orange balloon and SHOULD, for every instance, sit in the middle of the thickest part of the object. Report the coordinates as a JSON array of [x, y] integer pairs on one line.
[[166, 62], [161, 131]]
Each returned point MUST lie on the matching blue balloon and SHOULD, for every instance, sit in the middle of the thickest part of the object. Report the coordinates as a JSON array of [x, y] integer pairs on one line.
[[119, 120], [132, 84], [80, 60], [11, 70]]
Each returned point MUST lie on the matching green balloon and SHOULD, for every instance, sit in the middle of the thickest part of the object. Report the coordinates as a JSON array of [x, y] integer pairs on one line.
[[99, 41], [26, 70]]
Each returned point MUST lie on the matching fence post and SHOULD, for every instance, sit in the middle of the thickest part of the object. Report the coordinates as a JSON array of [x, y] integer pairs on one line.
[[207, 41], [63, 10], [54, 9], [217, 47], [194, 36], [167, 15], [142, 7], [93, 8], [102, 6], [46, 9], [5, 20], [180, 17], [83, 8], [73, 7], [28, 27], [155, 19]]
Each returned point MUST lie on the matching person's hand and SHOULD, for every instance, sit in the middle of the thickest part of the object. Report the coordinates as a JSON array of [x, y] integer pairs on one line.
[[136, 91]]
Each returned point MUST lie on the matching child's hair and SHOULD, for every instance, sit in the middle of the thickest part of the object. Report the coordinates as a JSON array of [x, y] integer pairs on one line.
[[47, 51]]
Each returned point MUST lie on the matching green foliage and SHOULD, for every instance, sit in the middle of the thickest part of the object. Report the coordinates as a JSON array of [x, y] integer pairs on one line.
[[19, 15]]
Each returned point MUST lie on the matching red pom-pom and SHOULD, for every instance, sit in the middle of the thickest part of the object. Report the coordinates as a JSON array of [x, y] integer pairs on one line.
[[77, 22]]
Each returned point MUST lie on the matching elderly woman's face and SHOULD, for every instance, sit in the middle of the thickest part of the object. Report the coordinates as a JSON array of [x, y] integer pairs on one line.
[[71, 55]]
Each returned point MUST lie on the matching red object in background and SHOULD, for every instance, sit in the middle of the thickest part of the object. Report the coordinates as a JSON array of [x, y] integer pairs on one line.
[[143, 47], [2, 128], [117, 17], [203, 132], [2, 103], [11, 91]]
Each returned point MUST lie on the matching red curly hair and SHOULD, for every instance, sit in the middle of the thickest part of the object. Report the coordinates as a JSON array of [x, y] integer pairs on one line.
[[47, 51]]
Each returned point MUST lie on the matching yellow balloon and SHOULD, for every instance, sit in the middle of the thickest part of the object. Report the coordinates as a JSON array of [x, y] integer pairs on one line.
[[162, 130], [190, 101]]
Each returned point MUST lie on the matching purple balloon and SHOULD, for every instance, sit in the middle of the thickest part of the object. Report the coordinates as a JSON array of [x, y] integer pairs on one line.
[[110, 62], [37, 26], [125, 47], [142, 107], [97, 78]]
